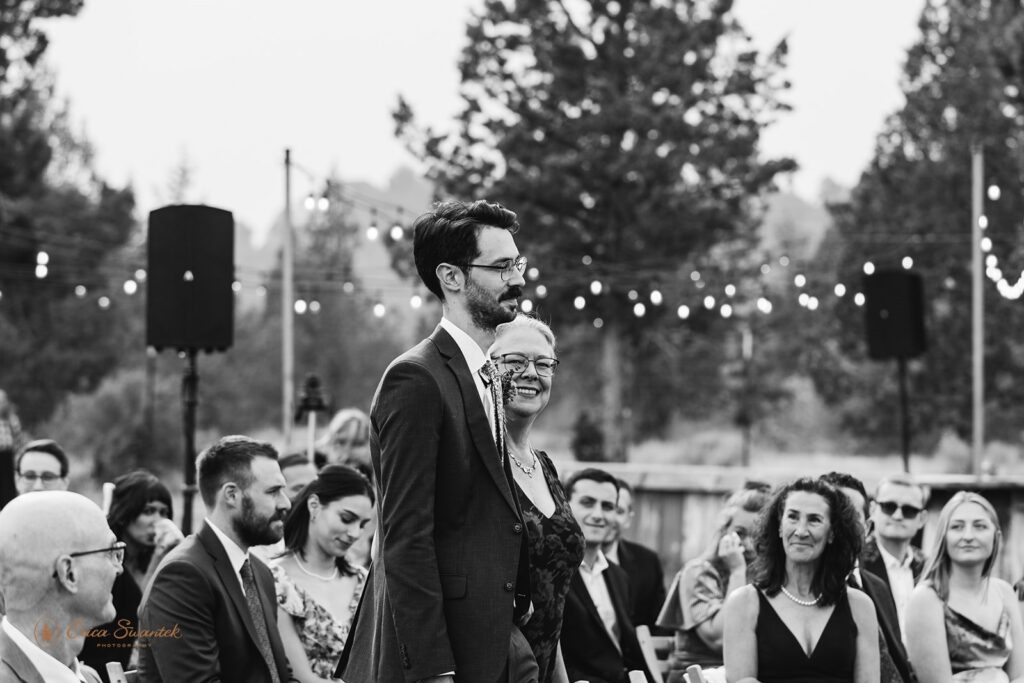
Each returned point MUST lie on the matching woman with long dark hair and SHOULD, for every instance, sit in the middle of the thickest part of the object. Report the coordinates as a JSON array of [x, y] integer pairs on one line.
[[140, 515], [318, 589], [797, 622]]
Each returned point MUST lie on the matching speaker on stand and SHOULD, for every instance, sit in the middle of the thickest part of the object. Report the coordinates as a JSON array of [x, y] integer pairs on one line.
[[190, 303], [894, 325]]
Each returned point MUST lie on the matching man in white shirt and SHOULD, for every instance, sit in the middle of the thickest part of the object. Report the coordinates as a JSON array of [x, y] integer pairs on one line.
[[898, 513], [58, 562], [210, 612], [598, 641]]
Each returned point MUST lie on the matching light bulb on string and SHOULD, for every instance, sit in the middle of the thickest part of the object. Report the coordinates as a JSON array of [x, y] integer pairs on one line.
[[800, 280], [683, 312], [310, 202], [656, 298], [236, 286], [595, 287], [764, 305], [314, 306], [869, 267], [579, 303], [986, 244], [372, 233], [140, 274], [730, 290], [103, 302], [907, 263], [726, 311], [532, 273], [379, 310], [416, 301], [709, 302], [991, 261], [323, 203], [983, 222], [526, 305], [633, 295], [812, 303], [858, 299], [300, 306], [41, 271], [839, 289], [397, 232], [639, 310], [993, 192], [80, 291], [598, 323], [42, 258], [130, 287], [541, 291]]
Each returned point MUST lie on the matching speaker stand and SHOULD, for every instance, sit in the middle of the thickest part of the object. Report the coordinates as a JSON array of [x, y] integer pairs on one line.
[[189, 401], [901, 363]]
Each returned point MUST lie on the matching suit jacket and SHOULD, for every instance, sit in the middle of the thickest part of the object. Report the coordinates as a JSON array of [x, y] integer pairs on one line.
[[871, 560], [888, 622], [16, 667], [196, 589], [646, 581], [452, 553], [589, 652]]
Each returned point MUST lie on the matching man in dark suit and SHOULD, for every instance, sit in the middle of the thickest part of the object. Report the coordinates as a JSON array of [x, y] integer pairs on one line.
[[642, 565], [598, 641], [210, 612], [895, 666], [58, 562], [450, 575]]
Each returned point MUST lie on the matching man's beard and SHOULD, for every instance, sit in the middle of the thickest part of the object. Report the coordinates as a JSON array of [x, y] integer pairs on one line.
[[487, 313], [253, 529]]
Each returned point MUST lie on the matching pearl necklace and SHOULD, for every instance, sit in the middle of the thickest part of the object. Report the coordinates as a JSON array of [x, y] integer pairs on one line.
[[528, 470], [805, 603], [332, 577]]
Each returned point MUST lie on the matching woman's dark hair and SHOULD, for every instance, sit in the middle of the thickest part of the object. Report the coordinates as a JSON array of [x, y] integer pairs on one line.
[[132, 493], [841, 549], [332, 482]]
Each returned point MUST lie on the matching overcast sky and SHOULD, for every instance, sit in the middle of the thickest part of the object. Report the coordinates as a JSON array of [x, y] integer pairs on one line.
[[229, 84]]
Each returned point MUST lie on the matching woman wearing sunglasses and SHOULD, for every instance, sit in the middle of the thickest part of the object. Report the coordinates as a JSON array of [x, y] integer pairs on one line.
[[524, 352], [963, 624]]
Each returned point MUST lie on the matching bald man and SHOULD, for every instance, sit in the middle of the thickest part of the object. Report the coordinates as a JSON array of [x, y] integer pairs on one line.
[[58, 562]]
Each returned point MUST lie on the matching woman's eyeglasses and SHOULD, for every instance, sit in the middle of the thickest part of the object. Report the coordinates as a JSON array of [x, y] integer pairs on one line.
[[908, 511], [517, 363]]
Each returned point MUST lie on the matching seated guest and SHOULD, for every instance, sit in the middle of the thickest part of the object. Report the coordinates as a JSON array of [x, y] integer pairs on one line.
[[41, 465], [598, 642], [298, 471], [796, 621], [963, 624], [219, 596], [317, 589], [347, 441], [892, 655], [694, 605], [898, 513], [58, 562], [642, 565], [140, 516]]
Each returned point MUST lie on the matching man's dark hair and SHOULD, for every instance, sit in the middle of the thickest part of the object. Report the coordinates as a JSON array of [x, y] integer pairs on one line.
[[48, 446], [590, 474], [843, 480], [448, 234], [838, 557], [293, 459], [229, 459]]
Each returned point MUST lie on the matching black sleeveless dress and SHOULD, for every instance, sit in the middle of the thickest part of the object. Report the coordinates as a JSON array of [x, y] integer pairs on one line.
[[781, 659], [556, 551]]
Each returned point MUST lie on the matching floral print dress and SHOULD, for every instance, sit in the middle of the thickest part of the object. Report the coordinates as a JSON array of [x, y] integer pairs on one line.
[[323, 637]]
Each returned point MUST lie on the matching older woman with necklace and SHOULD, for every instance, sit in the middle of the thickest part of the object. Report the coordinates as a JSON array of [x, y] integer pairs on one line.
[[524, 351]]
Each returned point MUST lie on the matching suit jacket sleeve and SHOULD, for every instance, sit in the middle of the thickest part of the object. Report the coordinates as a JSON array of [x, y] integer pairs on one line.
[[181, 595], [409, 415]]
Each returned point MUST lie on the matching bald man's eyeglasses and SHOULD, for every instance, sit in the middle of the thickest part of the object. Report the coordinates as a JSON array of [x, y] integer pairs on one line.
[[116, 551]]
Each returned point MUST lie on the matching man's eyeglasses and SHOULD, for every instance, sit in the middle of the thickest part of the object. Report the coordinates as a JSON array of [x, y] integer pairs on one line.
[[508, 268], [517, 363], [46, 477], [889, 508], [116, 551]]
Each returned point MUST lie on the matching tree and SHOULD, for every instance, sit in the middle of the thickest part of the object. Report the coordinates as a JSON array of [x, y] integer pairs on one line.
[[625, 134], [963, 86]]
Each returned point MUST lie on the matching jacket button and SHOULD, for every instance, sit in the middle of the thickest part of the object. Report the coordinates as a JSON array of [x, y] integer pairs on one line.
[[509, 586], [517, 528]]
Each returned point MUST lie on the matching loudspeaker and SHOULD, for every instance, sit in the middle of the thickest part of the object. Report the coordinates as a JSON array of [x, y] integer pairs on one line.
[[894, 314], [190, 303]]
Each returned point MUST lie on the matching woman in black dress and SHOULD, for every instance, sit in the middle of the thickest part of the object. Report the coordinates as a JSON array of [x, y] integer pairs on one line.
[[140, 515], [524, 351], [797, 622]]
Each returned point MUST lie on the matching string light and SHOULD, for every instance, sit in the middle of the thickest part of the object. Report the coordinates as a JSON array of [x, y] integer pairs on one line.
[[639, 309], [416, 301], [840, 290], [595, 287], [314, 306], [869, 268], [683, 312], [379, 310], [726, 311], [709, 302], [526, 305], [130, 287], [542, 291], [983, 222], [858, 299], [993, 192], [598, 323], [800, 280], [300, 306], [907, 263], [579, 303], [656, 297]]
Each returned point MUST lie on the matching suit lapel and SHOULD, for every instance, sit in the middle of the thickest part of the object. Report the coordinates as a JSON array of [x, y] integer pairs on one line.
[[17, 662], [232, 582], [476, 416], [580, 588]]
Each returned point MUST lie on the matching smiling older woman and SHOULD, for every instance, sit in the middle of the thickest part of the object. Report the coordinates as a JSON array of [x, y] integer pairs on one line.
[[524, 351], [797, 622]]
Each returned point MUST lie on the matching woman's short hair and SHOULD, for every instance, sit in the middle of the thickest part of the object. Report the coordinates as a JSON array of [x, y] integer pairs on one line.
[[937, 566], [837, 559], [332, 483], [527, 321], [132, 493]]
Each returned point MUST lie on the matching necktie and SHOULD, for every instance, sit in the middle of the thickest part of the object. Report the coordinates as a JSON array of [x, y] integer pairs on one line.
[[252, 599], [492, 380]]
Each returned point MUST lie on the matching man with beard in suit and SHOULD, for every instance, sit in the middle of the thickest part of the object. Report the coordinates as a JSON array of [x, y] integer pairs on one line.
[[449, 578]]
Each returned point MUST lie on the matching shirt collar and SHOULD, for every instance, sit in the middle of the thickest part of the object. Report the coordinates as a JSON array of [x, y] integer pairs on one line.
[[49, 668], [891, 562], [600, 564], [612, 554], [471, 351], [236, 556]]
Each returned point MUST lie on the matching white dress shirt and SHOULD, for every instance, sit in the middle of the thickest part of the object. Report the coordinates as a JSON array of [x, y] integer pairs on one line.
[[475, 359], [593, 579], [49, 668], [236, 556], [901, 583]]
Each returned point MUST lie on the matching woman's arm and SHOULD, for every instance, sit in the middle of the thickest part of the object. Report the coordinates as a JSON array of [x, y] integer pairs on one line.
[[926, 637], [1014, 667], [712, 630], [867, 666], [740, 638], [559, 674], [293, 649]]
